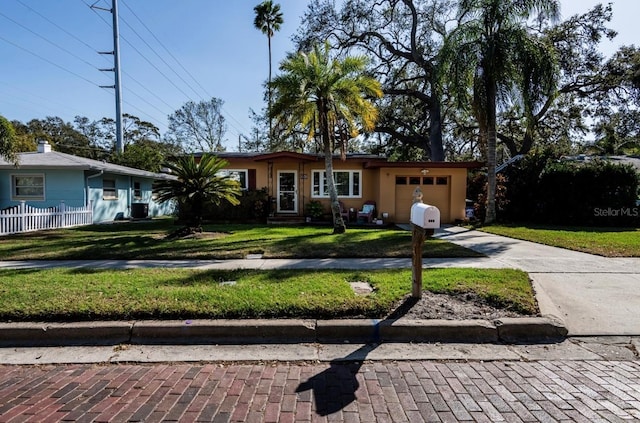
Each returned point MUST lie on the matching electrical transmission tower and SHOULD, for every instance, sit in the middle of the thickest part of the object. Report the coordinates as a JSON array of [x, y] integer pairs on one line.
[[116, 70]]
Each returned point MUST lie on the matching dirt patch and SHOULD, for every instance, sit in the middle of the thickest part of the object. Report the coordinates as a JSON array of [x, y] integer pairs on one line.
[[450, 307]]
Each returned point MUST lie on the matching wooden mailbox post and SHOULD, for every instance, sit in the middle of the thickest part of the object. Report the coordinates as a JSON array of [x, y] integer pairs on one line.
[[423, 218]]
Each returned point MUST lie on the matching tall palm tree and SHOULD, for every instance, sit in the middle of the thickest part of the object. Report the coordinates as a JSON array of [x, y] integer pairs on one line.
[[197, 183], [491, 57], [268, 20], [330, 96]]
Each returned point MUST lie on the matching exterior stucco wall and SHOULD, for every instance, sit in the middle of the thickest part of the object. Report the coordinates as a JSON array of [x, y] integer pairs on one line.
[[69, 185], [108, 209], [59, 185], [377, 184]]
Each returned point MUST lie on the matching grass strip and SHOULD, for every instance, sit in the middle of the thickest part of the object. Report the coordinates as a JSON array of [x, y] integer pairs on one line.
[[146, 241], [84, 294], [608, 242]]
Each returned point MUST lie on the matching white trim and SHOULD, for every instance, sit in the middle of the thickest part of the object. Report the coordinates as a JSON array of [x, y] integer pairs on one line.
[[139, 189], [295, 192], [228, 172], [12, 181], [115, 189], [322, 188]]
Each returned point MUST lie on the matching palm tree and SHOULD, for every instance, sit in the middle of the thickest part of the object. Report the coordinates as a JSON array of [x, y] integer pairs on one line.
[[268, 20], [330, 96], [493, 56], [197, 183]]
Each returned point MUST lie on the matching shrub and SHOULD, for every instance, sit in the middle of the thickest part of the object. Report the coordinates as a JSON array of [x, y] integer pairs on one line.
[[523, 192], [254, 206], [596, 193], [541, 189], [314, 209], [477, 192]]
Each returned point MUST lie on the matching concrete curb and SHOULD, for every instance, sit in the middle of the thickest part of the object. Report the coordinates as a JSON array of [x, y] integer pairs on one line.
[[530, 329], [283, 331], [63, 334], [223, 331]]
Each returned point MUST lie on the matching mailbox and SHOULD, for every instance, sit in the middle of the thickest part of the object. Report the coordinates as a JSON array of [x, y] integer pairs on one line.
[[425, 216]]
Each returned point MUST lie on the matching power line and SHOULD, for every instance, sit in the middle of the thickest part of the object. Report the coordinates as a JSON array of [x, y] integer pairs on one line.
[[167, 50], [47, 60], [148, 90], [60, 28], [144, 100], [48, 40], [151, 118], [72, 54], [179, 64], [228, 115], [23, 94], [161, 58]]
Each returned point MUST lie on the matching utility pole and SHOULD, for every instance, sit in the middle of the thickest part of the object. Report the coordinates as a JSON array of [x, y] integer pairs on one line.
[[116, 70]]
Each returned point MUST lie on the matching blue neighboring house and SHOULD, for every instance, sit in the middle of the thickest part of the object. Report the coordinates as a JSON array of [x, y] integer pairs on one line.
[[46, 178]]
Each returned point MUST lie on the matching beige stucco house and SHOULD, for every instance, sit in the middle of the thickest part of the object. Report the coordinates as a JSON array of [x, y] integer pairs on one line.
[[294, 179]]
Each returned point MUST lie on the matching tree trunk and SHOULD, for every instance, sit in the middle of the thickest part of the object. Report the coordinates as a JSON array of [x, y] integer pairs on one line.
[[491, 152], [269, 99], [338, 223], [435, 131]]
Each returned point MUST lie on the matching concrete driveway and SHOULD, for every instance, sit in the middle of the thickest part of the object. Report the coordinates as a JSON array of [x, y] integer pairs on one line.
[[593, 295]]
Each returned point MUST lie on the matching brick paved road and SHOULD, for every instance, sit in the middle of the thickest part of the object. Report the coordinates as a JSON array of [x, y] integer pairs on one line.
[[584, 391]]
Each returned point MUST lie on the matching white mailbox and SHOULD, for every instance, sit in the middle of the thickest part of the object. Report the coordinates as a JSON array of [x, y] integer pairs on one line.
[[425, 216]]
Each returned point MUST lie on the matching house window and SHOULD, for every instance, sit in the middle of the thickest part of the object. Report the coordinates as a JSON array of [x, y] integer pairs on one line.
[[109, 191], [347, 183], [427, 180], [137, 191], [442, 180], [401, 180], [27, 187], [414, 180], [239, 175]]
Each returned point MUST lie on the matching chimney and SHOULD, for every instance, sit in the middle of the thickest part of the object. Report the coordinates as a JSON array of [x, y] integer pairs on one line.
[[44, 147]]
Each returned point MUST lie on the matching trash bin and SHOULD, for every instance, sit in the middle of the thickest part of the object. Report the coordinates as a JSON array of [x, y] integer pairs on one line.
[[139, 210]]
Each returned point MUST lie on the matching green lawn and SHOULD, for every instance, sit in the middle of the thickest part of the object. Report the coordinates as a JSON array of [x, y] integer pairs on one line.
[[609, 242], [84, 294], [146, 240]]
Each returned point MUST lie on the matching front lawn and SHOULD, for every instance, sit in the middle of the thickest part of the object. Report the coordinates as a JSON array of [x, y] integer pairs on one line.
[[609, 242], [85, 294], [146, 241]]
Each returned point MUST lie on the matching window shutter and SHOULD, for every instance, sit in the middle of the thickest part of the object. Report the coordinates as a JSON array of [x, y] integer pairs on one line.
[[252, 179]]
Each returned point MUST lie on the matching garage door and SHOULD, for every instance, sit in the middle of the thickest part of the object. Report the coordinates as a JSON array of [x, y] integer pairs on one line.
[[436, 191]]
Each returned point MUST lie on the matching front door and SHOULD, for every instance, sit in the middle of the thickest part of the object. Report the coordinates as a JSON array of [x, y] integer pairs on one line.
[[287, 191]]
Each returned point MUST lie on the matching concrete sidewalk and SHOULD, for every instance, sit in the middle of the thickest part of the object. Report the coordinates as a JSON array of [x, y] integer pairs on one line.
[[258, 263], [592, 295], [598, 348]]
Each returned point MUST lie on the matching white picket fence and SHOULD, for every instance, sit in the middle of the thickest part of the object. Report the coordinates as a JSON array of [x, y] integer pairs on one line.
[[24, 218]]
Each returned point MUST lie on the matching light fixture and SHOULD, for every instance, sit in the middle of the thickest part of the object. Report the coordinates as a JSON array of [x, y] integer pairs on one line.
[[424, 171]]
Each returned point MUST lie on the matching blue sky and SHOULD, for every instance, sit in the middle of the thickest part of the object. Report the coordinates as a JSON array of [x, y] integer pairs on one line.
[[50, 60]]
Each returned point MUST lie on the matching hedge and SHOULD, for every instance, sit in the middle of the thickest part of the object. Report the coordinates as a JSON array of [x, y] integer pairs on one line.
[[541, 189]]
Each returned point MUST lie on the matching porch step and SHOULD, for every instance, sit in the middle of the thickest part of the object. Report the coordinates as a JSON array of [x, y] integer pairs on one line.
[[285, 220]]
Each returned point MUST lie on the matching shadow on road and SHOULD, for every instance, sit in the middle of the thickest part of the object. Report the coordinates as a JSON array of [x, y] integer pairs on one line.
[[335, 388]]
